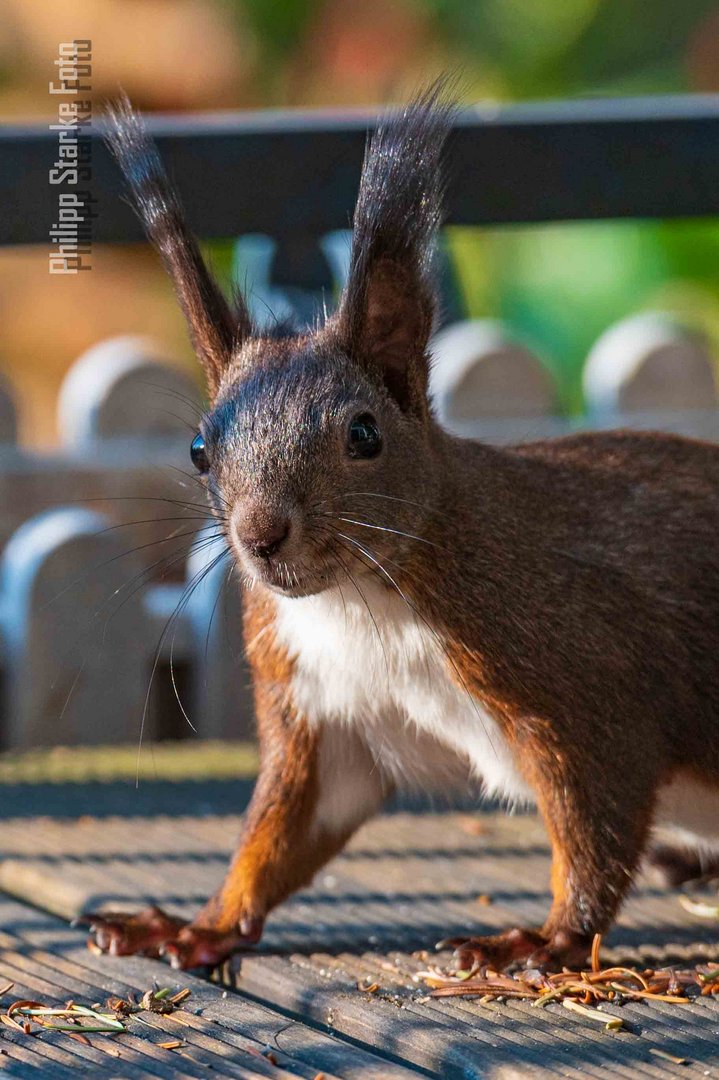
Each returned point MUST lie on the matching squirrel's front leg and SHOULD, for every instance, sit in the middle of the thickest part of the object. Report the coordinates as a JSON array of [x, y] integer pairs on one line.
[[317, 783], [597, 814]]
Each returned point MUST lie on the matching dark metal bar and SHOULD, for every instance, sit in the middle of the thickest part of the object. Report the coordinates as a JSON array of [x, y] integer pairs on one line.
[[282, 172]]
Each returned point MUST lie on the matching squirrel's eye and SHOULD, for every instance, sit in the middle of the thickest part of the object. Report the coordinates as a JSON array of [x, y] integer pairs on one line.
[[364, 439], [198, 453]]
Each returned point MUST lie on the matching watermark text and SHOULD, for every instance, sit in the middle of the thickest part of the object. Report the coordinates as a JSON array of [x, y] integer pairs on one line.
[[71, 171]]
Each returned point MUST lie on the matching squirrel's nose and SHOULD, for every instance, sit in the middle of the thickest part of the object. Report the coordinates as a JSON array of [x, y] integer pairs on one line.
[[265, 542]]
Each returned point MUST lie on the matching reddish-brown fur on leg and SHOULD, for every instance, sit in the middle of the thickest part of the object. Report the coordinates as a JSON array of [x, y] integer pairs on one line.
[[597, 805], [280, 847]]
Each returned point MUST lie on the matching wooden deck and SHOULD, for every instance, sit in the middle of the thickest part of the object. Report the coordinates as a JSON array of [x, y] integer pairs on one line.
[[293, 1008]]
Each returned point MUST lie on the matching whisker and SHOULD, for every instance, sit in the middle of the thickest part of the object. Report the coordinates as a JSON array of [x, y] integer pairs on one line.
[[182, 603], [176, 416], [212, 614], [70, 692], [403, 570], [323, 550], [370, 613], [199, 480], [174, 535], [196, 549], [384, 528], [336, 580], [174, 683], [171, 392], [158, 520], [145, 576], [141, 579], [396, 498], [180, 503], [225, 586]]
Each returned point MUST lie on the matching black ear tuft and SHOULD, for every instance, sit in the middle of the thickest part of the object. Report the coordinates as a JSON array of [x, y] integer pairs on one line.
[[214, 328], [388, 307]]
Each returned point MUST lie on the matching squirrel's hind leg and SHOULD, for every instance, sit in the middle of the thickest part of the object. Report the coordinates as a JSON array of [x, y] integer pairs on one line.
[[674, 866], [598, 819]]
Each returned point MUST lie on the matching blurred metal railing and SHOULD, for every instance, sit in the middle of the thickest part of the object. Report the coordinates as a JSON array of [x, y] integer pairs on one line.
[[294, 173]]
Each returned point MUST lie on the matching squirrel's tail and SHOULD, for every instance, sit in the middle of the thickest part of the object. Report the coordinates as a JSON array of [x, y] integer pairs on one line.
[[214, 328]]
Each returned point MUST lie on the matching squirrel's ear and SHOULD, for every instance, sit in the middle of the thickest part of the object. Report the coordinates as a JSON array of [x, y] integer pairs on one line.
[[386, 312], [394, 330], [215, 328]]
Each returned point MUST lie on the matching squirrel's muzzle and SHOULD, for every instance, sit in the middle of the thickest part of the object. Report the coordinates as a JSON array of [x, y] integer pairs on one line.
[[261, 534], [268, 543]]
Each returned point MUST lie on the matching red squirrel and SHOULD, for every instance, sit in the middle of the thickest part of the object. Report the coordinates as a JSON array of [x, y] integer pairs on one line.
[[421, 610]]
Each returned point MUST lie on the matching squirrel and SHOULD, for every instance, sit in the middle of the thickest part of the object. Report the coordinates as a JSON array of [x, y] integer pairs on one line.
[[422, 610]]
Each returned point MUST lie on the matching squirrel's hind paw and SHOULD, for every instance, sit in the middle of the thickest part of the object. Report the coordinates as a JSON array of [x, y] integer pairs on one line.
[[671, 866], [529, 948]]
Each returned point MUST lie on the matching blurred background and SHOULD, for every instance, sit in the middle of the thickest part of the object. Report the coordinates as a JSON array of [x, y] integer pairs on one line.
[[559, 286]]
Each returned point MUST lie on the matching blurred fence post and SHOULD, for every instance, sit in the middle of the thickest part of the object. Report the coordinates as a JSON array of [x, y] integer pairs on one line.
[[649, 362], [121, 388], [71, 676], [200, 621], [480, 371], [222, 692], [287, 278]]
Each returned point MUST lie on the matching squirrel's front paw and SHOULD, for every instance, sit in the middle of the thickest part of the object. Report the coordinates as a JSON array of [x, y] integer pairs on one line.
[[153, 933], [120, 934], [529, 948], [198, 946]]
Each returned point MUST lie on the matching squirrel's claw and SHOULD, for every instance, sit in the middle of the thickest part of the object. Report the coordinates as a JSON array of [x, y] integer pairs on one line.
[[120, 934], [194, 948], [197, 946], [530, 948], [154, 933]]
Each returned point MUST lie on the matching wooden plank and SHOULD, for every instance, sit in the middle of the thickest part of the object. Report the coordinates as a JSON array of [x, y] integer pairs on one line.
[[43, 982], [220, 1030], [404, 881], [430, 1037]]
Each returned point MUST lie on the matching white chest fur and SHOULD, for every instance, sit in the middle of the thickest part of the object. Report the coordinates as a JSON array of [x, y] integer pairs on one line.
[[387, 675]]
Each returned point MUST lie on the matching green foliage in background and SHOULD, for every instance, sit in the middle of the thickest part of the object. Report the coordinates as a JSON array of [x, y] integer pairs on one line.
[[560, 286]]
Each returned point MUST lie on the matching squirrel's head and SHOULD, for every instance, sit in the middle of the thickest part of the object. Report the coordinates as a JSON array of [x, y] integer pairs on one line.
[[317, 447]]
